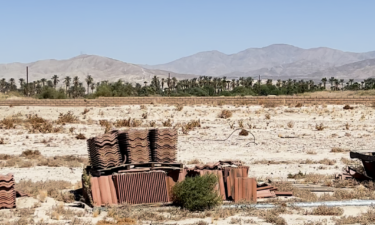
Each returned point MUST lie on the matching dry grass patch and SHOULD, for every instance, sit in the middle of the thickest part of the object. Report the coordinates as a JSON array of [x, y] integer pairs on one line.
[[338, 149], [270, 215], [290, 124], [167, 123], [81, 136], [179, 107], [30, 158], [60, 212], [319, 127], [346, 107], [364, 218], [194, 161], [325, 211], [225, 114], [52, 188], [244, 132], [68, 117], [85, 111]]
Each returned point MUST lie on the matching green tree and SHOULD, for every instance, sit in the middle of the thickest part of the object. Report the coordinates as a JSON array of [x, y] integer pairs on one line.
[[55, 80]]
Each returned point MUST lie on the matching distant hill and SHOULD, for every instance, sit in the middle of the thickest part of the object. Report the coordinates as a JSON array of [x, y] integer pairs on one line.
[[278, 60], [101, 68], [359, 70]]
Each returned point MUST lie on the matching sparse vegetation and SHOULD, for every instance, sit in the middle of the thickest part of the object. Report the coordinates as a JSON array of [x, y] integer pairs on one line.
[[167, 123], [225, 114], [346, 107], [65, 118], [319, 127], [337, 149], [290, 124], [244, 132], [81, 136], [325, 211], [196, 193]]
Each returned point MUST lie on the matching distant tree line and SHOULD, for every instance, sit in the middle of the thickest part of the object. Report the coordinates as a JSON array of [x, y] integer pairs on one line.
[[201, 86]]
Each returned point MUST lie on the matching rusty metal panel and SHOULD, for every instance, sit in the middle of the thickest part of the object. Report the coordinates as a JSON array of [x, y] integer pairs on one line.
[[140, 188]]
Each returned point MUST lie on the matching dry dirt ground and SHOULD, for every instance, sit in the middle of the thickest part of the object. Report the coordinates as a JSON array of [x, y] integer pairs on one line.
[[282, 140]]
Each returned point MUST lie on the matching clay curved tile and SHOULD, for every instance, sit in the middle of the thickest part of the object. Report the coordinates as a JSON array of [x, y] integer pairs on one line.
[[7, 177]]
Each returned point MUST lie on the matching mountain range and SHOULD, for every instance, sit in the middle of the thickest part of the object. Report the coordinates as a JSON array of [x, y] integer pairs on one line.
[[279, 61], [100, 68]]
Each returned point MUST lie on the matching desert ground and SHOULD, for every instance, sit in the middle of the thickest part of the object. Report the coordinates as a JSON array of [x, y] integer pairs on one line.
[[312, 140]]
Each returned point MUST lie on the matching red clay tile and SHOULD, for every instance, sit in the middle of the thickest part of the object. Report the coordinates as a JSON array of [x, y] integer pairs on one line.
[[105, 191], [113, 190], [95, 190]]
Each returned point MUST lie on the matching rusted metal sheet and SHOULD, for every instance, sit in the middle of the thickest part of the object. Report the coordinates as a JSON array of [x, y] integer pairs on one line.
[[137, 188]]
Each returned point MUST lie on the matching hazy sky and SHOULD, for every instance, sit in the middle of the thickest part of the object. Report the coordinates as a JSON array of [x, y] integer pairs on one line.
[[153, 32]]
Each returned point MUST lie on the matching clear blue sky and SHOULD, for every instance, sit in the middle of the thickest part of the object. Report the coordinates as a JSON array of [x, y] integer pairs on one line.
[[159, 31]]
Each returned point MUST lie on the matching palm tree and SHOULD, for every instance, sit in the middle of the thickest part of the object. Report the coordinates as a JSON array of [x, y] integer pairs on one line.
[[55, 80], [89, 81], [342, 83], [22, 82], [92, 87], [43, 80], [324, 81], [67, 80], [351, 81], [12, 83]]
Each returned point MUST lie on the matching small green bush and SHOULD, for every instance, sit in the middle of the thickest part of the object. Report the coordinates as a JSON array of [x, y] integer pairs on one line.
[[197, 193]]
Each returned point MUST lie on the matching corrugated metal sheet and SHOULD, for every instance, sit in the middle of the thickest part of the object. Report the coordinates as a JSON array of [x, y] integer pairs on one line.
[[138, 188]]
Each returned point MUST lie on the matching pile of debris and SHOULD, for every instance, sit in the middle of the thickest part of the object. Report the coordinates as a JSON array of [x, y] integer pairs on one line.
[[234, 183], [367, 172], [139, 166]]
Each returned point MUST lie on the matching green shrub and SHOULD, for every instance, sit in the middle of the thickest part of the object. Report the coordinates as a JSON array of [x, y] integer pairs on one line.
[[197, 193]]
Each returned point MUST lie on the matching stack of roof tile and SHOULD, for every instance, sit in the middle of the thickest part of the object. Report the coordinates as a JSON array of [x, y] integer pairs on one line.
[[163, 145], [134, 145], [7, 192], [104, 151]]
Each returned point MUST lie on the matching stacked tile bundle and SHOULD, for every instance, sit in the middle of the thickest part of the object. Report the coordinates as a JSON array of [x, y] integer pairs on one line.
[[104, 151], [163, 145], [134, 145], [7, 192]]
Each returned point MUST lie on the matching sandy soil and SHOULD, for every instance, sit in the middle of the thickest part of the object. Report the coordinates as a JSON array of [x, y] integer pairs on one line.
[[275, 141]]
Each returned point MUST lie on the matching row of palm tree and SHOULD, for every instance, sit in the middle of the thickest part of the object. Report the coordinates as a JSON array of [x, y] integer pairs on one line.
[[203, 85]]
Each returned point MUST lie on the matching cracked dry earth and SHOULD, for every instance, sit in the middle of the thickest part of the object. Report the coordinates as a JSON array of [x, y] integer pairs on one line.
[[285, 137]]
